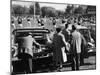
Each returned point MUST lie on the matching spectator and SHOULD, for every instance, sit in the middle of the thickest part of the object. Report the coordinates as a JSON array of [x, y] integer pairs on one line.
[[25, 52], [13, 25], [29, 22], [20, 22], [58, 43], [76, 48]]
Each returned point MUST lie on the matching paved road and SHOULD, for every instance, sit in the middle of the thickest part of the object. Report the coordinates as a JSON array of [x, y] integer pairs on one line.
[[90, 63]]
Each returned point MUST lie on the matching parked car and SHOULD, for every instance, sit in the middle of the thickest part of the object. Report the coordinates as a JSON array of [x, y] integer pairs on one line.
[[90, 48], [40, 56]]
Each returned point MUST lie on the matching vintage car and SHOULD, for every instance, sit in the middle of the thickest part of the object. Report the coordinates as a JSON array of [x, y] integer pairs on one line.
[[90, 48], [40, 37], [41, 55]]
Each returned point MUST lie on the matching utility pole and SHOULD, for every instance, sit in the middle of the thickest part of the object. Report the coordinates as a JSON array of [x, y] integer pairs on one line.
[[34, 10]]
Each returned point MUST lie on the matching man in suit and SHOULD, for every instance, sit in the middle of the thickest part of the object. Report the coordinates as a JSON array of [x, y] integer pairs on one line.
[[76, 48]]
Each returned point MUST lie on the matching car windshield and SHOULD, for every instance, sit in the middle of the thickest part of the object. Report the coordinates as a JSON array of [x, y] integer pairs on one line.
[[86, 34]]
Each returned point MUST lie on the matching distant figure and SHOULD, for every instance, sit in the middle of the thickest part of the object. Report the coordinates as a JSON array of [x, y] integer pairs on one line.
[[42, 23], [54, 22], [39, 22], [29, 22], [20, 22], [13, 25]]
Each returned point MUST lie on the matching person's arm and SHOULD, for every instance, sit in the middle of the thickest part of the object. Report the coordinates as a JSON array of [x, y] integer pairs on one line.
[[36, 42], [67, 45], [83, 39], [48, 38], [63, 38]]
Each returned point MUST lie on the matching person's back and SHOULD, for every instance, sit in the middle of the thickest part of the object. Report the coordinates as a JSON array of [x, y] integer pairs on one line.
[[27, 41], [58, 42], [25, 44], [57, 45], [66, 35], [20, 23], [75, 48], [77, 40], [26, 52]]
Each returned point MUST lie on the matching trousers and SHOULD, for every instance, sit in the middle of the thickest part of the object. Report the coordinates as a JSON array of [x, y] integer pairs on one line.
[[75, 59]]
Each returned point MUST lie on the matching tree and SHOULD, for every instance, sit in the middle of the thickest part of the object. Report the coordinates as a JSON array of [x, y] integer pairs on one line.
[[79, 10], [69, 9], [37, 8], [19, 10], [31, 9], [60, 13], [43, 10], [48, 11], [26, 10], [12, 11]]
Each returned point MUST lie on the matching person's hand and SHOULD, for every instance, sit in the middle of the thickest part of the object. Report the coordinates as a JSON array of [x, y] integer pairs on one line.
[[92, 40], [68, 47], [40, 49], [39, 46]]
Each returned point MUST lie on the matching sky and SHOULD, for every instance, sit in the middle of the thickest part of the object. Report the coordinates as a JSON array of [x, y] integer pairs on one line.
[[27, 4], [61, 7]]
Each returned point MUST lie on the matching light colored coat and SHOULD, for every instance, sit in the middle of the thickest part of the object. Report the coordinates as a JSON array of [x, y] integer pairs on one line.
[[28, 44], [76, 41]]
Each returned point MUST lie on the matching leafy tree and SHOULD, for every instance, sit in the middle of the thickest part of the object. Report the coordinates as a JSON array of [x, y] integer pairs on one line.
[[31, 9], [37, 8], [69, 9], [26, 10], [79, 10], [19, 10], [48, 11], [43, 10], [60, 13]]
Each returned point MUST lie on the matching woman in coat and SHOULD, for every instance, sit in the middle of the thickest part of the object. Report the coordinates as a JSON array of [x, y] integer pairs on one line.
[[58, 43]]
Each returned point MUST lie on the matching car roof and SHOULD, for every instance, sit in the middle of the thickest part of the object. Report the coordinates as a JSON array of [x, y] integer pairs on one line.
[[81, 27], [33, 30]]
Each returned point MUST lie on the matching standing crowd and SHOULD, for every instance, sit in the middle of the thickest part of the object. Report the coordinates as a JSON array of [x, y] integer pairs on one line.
[[69, 42], [64, 36]]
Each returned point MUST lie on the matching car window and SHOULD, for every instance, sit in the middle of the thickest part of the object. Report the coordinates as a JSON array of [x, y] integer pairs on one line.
[[85, 33]]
